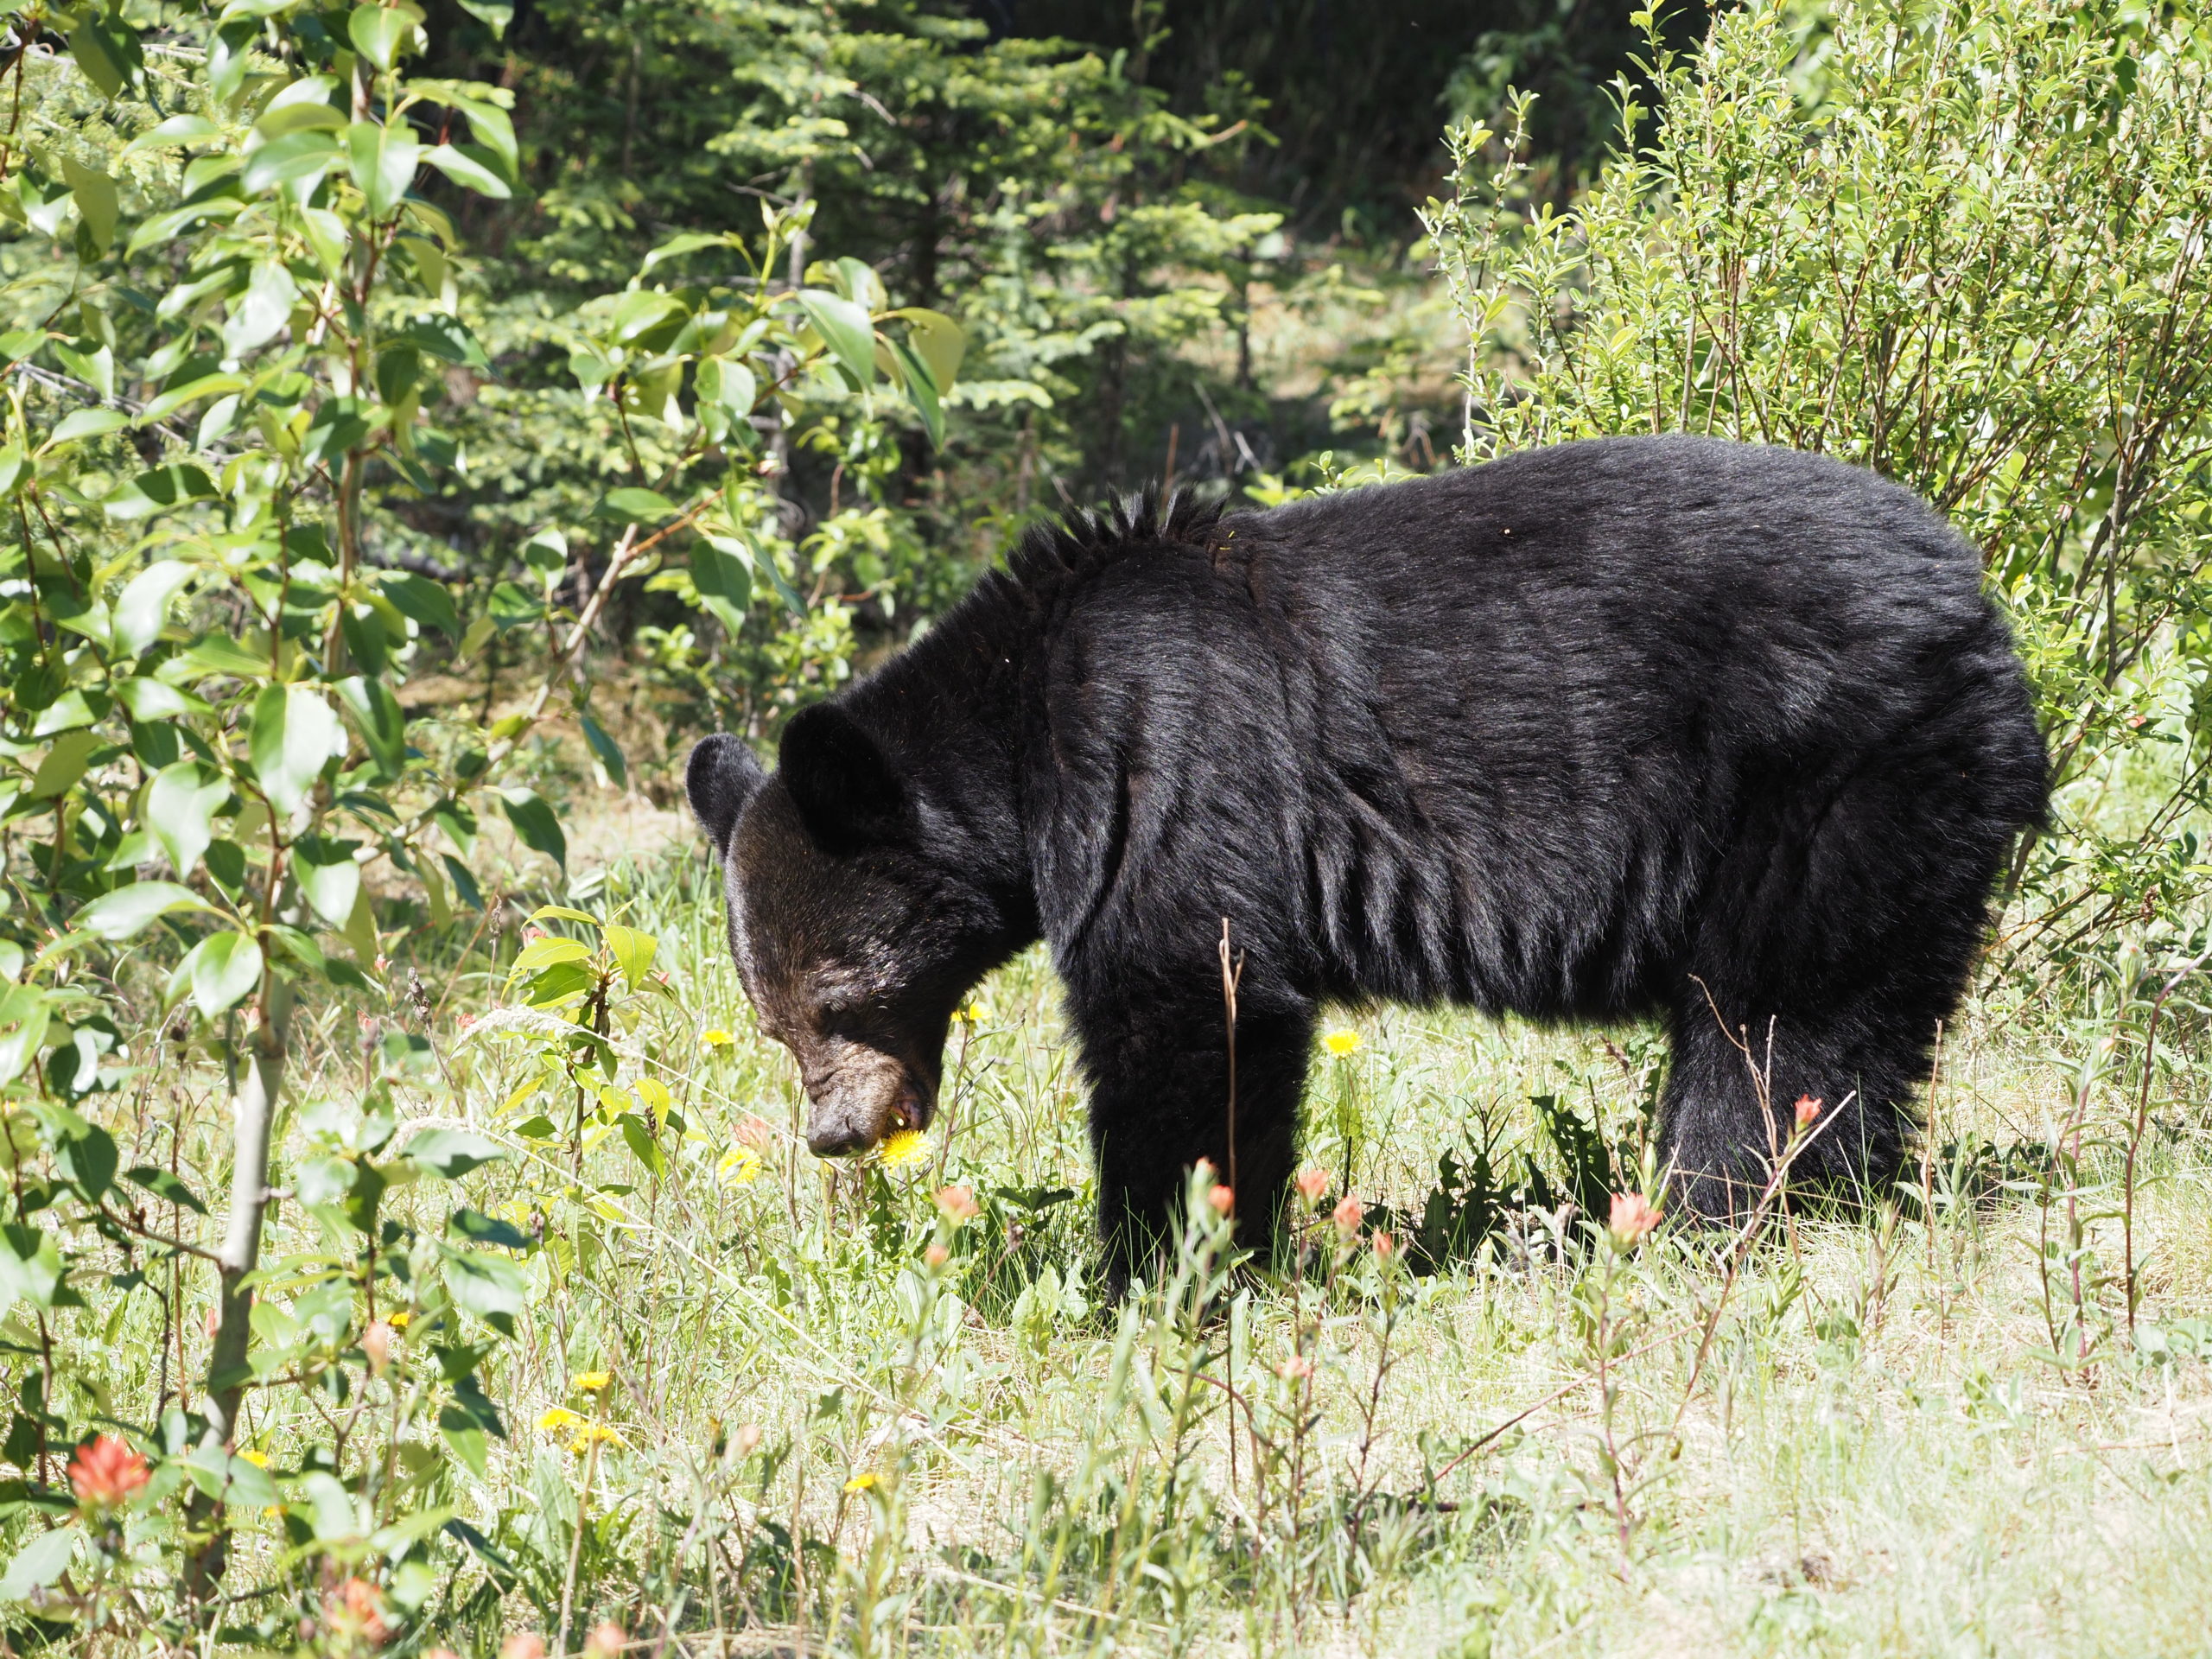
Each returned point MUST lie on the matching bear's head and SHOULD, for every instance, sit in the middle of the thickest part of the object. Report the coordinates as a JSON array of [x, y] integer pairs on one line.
[[854, 946]]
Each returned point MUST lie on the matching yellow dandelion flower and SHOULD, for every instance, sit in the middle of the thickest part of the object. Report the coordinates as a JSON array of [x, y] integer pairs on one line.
[[906, 1147], [860, 1482], [716, 1037], [590, 1382], [976, 1012], [1342, 1042], [259, 1459], [559, 1419], [593, 1434], [739, 1167], [397, 1321]]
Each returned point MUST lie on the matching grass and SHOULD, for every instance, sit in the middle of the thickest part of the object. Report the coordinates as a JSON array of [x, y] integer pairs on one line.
[[1882, 1451]]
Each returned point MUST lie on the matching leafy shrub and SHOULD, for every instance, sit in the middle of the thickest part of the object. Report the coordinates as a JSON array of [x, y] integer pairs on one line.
[[1964, 245]]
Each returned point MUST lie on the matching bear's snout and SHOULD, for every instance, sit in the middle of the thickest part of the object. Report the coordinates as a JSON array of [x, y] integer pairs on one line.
[[863, 1096]]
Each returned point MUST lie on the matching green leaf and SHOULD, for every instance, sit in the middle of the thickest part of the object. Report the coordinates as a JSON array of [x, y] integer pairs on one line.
[[608, 750], [447, 338], [451, 1153], [383, 159], [222, 971], [921, 392], [25, 1012], [336, 1519], [846, 327], [639, 1136], [329, 879], [159, 490], [496, 13], [377, 718], [638, 507], [177, 130], [545, 952], [129, 911], [467, 171], [294, 732], [46, 1557], [257, 315], [165, 1186], [64, 764], [180, 808], [107, 50], [421, 600], [30, 1266], [633, 952], [535, 824], [142, 609], [295, 155], [938, 341], [491, 1287], [379, 34], [97, 203], [88, 1159], [84, 423]]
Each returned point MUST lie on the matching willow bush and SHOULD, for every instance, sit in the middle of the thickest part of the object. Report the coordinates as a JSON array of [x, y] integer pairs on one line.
[[1963, 245]]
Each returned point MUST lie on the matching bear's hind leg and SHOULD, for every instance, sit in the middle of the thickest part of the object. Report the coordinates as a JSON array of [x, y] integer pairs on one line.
[[1840, 928]]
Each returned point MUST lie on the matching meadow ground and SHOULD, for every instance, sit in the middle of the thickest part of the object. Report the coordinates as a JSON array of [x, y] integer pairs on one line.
[[1877, 1437]]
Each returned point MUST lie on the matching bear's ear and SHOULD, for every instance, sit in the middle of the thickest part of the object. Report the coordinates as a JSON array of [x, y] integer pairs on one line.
[[720, 778], [846, 794]]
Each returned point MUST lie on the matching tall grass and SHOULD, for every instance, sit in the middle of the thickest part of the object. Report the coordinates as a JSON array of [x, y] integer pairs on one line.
[[847, 1410]]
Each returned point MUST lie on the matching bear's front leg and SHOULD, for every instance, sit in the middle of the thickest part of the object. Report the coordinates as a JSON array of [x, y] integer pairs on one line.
[[1160, 1101]]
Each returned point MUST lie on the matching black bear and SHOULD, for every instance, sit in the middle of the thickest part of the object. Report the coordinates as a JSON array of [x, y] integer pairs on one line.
[[1635, 726]]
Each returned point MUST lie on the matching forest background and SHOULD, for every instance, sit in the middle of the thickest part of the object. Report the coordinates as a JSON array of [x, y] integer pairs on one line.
[[424, 420]]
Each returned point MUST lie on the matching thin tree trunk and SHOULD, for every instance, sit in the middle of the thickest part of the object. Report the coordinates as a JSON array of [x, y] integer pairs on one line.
[[241, 1252]]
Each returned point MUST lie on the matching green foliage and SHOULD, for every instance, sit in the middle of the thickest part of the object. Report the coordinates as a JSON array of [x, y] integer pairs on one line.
[[225, 365], [1964, 245]]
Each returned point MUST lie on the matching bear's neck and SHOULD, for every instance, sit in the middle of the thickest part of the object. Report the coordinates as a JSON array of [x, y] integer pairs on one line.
[[948, 710]]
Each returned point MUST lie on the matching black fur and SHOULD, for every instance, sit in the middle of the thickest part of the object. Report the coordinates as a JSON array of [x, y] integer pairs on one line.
[[1724, 734]]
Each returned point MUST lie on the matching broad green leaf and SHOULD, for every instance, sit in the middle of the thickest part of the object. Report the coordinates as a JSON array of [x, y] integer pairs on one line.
[[451, 1153], [845, 328], [381, 34], [177, 130], [421, 600], [921, 392], [383, 160], [221, 972], [97, 203], [640, 1135], [84, 423], [494, 13], [607, 751], [129, 911], [165, 1186], [535, 824], [30, 1266], [638, 506], [632, 951], [46, 1557], [158, 491], [261, 311], [543, 953], [467, 171], [293, 733], [25, 1011], [335, 1518], [63, 764], [88, 1159], [329, 877], [295, 155], [938, 340], [109, 54], [180, 808], [447, 338], [377, 718], [143, 607], [491, 1286]]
